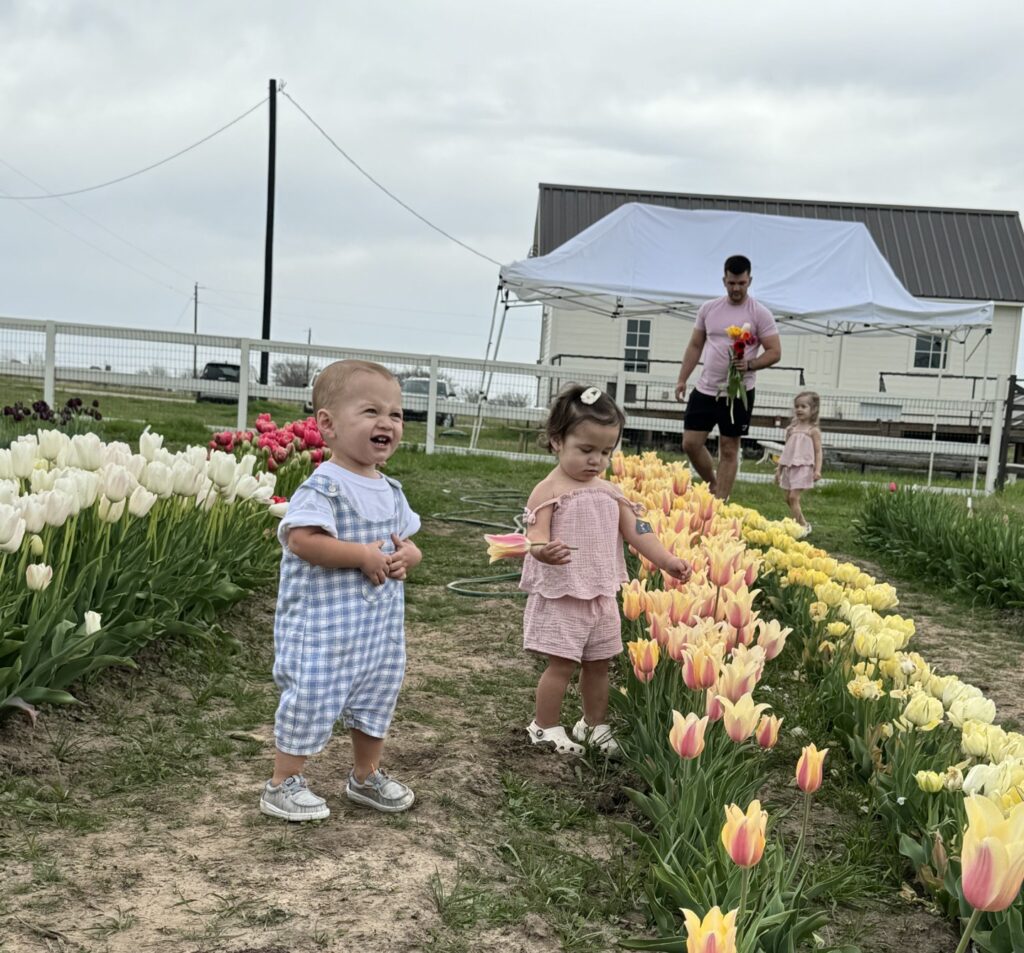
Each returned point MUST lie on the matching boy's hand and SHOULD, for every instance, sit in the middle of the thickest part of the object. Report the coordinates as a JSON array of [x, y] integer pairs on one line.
[[406, 555], [678, 568], [375, 563], [555, 553]]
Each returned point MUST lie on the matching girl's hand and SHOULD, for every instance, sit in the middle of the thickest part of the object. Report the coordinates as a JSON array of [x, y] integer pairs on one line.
[[555, 553], [778, 473], [817, 475], [678, 569], [375, 563]]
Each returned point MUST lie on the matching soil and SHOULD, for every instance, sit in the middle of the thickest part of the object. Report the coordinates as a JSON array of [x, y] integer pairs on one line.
[[195, 867]]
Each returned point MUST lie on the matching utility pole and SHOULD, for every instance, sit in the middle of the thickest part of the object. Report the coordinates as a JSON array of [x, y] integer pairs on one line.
[[309, 341], [195, 328], [268, 257]]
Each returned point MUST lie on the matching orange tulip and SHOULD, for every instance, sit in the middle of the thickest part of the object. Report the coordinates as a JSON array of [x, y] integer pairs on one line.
[[634, 599], [715, 934], [992, 856], [767, 732], [744, 834], [700, 666], [740, 718], [687, 734], [809, 768], [644, 654]]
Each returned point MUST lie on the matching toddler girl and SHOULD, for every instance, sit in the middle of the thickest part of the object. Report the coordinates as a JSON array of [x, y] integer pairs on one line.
[[799, 465], [572, 614]]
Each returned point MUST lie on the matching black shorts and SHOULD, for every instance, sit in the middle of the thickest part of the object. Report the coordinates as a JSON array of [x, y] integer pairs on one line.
[[704, 413]]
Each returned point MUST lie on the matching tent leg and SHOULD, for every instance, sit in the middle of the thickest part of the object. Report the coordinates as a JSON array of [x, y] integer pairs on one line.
[[485, 378], [981, 413], [943, 354]]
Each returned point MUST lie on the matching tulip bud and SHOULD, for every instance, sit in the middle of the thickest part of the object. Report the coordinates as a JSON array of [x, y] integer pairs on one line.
[[744, 834], [809, 769], [92, 622], [38, 576], [35, 545], [931, 782], [767, 732]]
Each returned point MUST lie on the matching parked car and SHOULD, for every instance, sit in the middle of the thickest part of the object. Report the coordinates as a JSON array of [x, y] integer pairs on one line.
[[420, 387], [219, 371]]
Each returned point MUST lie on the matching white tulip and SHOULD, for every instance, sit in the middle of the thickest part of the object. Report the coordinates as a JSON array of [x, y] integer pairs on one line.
[[6, 465], [187, 479], [158, 479], [69, 487], [196, 456], [12, 528], [221, 468], [135, 464], [88, 487], [93, 621], [972, 708], [23, 458], [42, 480], [110, 512], [247, 464], [8, 490], [141, 501], [116, 452], [246, 487], [51, 443], [268, 479], [59, 507], [87, 451], [149, 443], [33, 511], [263, 494], [206, 496], [118, 482], [278, 509], [38, 576]]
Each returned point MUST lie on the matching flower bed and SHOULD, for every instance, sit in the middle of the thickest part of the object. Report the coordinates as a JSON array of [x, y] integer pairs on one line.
[[103, 550], [921, 741]]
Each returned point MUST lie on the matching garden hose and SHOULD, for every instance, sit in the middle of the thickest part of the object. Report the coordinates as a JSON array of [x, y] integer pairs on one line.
[[508, 503]]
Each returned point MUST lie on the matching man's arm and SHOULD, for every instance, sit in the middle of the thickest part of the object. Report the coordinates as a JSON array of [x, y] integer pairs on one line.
[[691, 358], [771, 354]]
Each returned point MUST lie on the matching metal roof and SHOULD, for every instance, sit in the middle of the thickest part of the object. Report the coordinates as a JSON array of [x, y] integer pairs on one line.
[[972, 254]]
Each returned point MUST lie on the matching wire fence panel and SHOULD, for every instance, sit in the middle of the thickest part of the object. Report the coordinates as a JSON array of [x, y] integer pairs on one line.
[[459, 405]]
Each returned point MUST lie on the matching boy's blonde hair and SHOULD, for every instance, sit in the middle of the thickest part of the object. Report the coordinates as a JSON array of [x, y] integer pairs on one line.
[[334, 380], [815, 402]]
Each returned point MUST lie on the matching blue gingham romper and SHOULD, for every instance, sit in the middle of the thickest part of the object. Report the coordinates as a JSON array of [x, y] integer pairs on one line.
[[339, 640]]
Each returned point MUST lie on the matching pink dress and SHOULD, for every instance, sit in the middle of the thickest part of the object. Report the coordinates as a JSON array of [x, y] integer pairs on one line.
[[796, 464], [572, 610]]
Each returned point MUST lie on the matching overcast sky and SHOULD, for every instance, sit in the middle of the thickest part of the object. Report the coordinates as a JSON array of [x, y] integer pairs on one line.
[[460, 108]]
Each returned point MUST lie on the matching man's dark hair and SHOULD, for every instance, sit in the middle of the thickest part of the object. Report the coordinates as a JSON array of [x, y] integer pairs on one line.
[[737, 264]]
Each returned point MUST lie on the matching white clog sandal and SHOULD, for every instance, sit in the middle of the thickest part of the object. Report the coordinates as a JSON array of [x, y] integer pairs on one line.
[[599, 735], [555, 738]]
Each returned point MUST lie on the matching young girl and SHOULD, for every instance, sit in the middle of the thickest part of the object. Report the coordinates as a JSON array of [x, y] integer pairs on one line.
[[800, 463], [572, 614]]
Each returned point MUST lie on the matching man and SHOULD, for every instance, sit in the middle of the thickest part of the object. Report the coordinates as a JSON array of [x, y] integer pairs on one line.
[[708, 406]]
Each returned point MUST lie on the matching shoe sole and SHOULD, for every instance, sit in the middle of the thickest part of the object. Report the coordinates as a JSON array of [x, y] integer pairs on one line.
[[551, 745], [376, 805], [272, 811]]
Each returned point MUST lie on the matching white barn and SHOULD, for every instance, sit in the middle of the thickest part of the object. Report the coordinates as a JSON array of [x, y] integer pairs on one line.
[[956, 255]]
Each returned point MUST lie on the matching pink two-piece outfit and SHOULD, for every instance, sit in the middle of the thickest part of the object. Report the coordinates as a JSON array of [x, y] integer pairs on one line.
[[572, 611], [796, 463]]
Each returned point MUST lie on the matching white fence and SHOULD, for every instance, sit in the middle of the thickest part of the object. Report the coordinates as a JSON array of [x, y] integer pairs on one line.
[[493, 407]]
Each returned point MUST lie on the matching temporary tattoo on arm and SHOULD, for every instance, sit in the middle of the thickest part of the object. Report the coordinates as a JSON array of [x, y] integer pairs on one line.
[[643, 527]]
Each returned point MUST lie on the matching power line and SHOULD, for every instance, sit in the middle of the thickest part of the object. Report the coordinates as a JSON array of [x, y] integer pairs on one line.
[[131, 175], [384, 189], [99, 224]]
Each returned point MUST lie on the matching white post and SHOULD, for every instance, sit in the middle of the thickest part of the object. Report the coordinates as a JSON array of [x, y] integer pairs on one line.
[[50, 365], [995, 434], [432, 405], [243, 385], [981, 413]]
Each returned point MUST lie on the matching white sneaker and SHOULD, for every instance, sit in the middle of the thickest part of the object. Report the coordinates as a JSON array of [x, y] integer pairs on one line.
[[555, 738], [599, 735], [292, 800]]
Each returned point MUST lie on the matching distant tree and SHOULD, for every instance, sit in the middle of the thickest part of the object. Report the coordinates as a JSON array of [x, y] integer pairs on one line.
[[509, 399], [156, 370], [295, 373]]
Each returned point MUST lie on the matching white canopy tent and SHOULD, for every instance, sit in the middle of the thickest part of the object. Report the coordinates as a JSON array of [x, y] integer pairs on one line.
[[816, 276]]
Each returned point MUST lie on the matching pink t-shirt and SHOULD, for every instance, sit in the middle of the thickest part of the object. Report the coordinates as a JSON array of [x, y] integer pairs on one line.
[[713, 318]]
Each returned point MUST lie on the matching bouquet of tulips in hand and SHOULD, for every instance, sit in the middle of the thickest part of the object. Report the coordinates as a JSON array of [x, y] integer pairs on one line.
[[741, 339]]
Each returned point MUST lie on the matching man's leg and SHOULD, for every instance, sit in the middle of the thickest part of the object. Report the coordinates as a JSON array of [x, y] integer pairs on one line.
[[694, 447], [728, 463]]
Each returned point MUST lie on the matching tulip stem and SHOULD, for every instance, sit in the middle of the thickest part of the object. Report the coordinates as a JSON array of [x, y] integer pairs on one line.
[[744, 885], [799, 853], [968, 930]]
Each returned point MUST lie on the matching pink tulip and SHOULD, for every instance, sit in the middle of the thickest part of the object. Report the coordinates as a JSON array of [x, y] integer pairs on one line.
[[687, 734]]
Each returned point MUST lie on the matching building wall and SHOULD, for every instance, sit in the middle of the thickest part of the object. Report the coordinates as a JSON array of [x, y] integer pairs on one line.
[[849, 362]]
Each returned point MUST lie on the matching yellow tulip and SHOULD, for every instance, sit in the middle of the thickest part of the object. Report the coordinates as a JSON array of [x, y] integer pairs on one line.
[[740, 718], [716, 933], [687, 734], [634, 599], [744, 834], [992, 856], [644, 654], [974, 739], [836, 629], [924, 712], [931, 782], [817, 611], [767, 732], [809, 768], [701, 665]]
